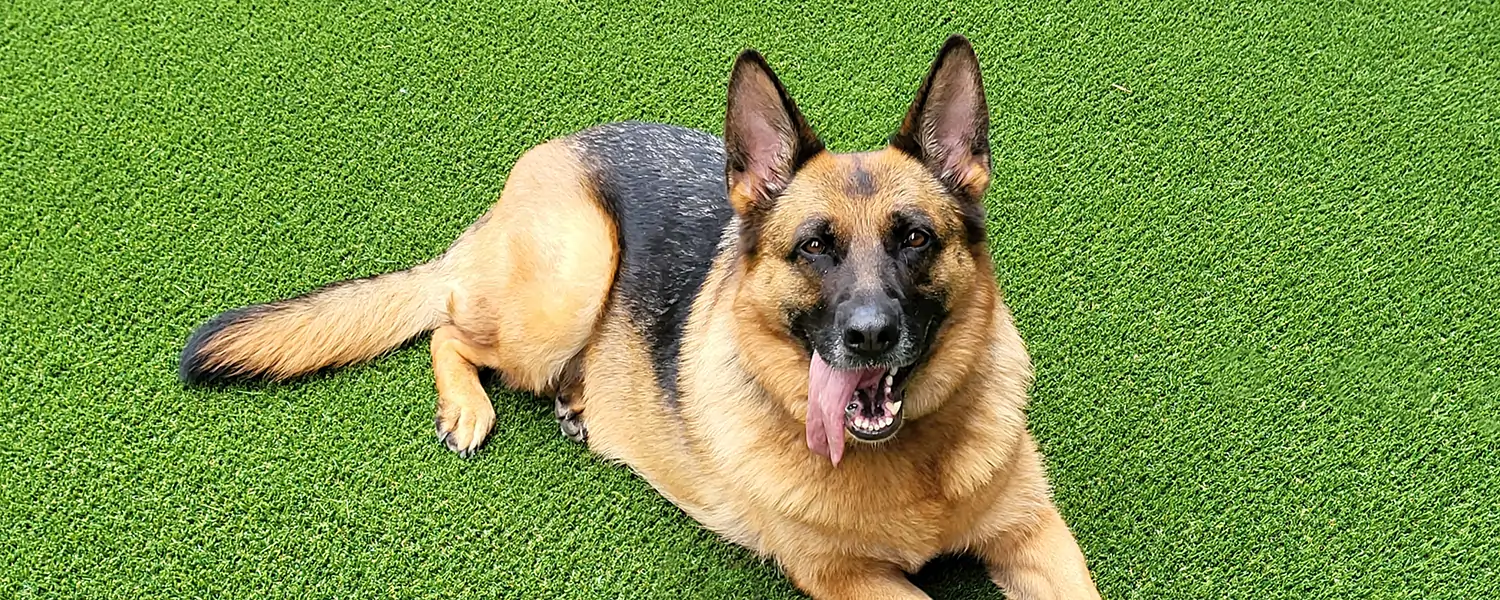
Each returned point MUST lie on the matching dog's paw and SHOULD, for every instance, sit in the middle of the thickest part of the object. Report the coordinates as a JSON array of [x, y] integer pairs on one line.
[[570, 421], [463, 429]]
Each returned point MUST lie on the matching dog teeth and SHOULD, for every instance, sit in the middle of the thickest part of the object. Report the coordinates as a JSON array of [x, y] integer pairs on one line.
[[888, 410]]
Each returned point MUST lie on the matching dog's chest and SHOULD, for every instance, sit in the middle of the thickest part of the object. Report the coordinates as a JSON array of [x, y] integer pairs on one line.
[[876, 507]]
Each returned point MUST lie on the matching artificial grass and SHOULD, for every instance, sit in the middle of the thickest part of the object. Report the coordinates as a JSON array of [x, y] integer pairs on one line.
[[1254, 248]]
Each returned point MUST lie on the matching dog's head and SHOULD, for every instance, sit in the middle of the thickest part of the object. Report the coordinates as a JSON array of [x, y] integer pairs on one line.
[[856, 261]]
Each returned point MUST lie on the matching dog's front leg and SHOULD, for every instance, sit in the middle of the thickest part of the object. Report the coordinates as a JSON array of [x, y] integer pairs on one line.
[[1040, 562], [825, 579]]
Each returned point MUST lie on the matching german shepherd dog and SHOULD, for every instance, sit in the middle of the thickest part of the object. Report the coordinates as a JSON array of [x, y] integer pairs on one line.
[[805, 351]]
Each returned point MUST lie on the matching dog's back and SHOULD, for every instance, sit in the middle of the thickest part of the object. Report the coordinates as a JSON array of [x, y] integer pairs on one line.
[[626, 215], [664, 185], [729, 318]]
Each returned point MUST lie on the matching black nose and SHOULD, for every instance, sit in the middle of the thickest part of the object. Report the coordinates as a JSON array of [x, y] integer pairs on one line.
[[870, 330]]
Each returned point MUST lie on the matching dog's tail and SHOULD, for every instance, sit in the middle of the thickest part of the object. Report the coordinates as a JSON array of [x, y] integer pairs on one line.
[[343, 323]]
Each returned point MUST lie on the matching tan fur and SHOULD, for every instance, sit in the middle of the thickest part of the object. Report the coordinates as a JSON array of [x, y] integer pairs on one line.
[[962, 476], [464, 410], [523, 291], [336, 326], [521, 294], [526, 291], [531, 280]]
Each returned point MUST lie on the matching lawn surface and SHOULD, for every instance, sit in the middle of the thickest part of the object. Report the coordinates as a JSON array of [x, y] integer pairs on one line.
[[1254, 248]]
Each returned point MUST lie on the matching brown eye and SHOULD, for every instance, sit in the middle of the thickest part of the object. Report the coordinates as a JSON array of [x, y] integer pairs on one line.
[[915, 239], [814, 246]]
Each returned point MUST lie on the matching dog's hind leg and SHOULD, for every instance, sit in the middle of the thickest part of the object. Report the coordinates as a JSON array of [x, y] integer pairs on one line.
[[464, 413], [569, 419], [525, 288]]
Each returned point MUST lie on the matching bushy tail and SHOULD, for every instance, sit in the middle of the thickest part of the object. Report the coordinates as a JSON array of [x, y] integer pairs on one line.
[[343, 323]]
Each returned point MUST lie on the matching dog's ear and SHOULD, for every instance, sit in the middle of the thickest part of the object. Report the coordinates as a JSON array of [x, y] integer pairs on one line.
[[765, 137], [948, 125]]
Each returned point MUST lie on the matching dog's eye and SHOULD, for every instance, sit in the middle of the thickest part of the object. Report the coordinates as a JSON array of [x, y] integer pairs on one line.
[[915, 239], [814, 246]]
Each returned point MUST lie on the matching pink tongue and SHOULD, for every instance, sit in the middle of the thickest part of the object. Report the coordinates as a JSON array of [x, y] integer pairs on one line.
[[829, 390]]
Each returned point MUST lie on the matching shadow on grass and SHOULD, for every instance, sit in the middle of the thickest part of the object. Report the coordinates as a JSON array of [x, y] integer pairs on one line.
[[956, 577]]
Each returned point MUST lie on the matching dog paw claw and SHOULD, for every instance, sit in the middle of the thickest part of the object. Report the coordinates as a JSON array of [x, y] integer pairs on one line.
[[569, 421], [465, 430]]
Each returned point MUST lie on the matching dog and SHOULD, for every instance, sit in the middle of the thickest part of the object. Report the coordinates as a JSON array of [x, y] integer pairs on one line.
[[805, 351]]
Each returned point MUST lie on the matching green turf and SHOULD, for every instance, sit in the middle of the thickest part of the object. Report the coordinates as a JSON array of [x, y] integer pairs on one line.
[[1254, 248]]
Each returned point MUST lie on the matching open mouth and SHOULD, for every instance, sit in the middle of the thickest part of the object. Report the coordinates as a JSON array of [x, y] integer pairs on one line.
[[865, 403], [873, 413]]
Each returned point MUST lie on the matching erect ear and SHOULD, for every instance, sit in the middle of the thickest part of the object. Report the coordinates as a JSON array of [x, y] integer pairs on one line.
[[765, 137], [948, 125]]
